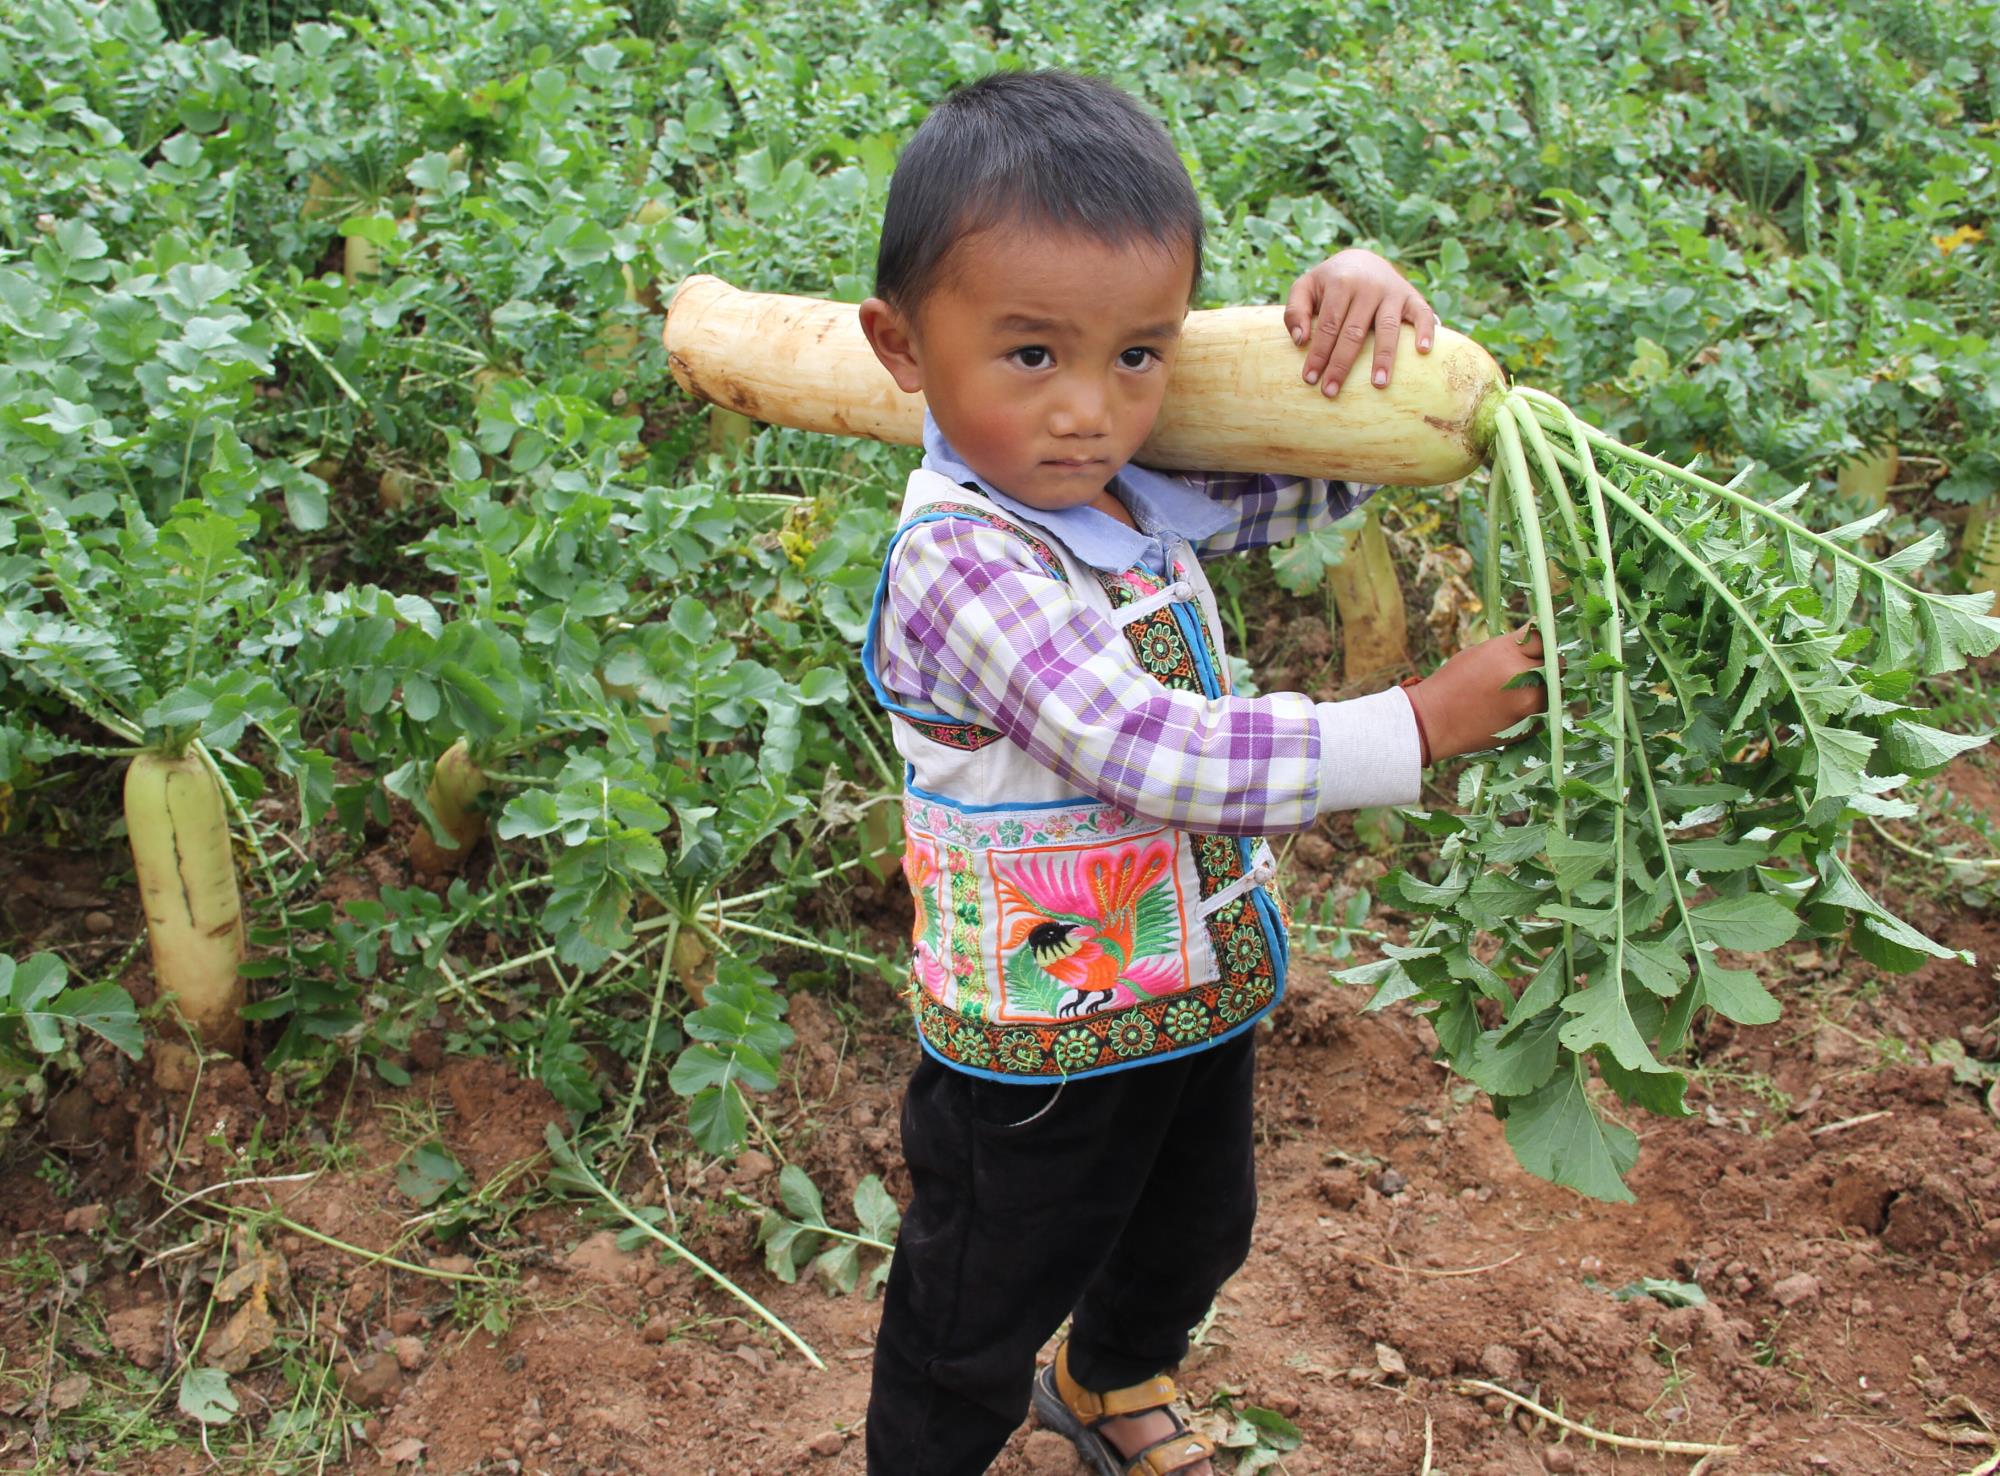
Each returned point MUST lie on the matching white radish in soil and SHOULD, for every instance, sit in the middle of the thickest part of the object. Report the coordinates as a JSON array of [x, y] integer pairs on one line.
[[179, 833]]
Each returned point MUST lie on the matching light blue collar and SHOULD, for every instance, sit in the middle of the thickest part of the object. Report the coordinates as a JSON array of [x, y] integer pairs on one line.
[[1158, 503]]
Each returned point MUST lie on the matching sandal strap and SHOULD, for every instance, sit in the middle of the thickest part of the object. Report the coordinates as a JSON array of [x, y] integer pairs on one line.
[[1180, 1450], [1092, 1406]]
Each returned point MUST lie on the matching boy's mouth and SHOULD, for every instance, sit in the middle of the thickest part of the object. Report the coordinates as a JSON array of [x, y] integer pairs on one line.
[[1078, 465]]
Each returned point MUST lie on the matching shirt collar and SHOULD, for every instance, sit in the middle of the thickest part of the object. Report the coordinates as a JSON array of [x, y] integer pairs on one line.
[[1158, 504]]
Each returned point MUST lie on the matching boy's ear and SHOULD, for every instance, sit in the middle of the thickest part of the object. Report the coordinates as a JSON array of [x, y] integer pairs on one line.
[[889, 335]]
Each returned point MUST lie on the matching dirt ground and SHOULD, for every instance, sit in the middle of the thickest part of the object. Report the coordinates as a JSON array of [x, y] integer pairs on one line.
[[1835, 1196]]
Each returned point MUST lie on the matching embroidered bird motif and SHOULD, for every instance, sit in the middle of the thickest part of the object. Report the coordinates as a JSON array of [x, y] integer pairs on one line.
[[1093, 926], [1077, 956]]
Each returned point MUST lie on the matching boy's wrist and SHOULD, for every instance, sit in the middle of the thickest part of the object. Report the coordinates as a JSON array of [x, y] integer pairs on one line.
[[1408, 686]]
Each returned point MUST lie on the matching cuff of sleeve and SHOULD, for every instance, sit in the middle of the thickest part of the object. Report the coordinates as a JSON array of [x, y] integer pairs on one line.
[[1369, 752]]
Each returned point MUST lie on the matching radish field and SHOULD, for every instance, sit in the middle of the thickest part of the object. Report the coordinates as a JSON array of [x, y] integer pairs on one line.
[[451, 925]]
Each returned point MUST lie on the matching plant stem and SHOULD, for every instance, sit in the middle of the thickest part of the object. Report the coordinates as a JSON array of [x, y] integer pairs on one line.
[[1604, 1437], [463, 989], [596, 1186], [1730, 495], [367, 1257], [1552, 477], [1491, 590], [743, 1201], [292, 332], [1530, 528], [652, 1026], [1978, 863], [826, 949], [1593, 488], [745, 899], [1339, 930], [508, 965]]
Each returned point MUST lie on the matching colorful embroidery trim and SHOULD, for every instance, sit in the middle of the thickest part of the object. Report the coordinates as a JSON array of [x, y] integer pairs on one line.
[[1098, 1042]]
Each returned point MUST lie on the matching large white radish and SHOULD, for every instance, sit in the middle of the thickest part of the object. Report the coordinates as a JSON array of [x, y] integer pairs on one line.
[[1236, 400], [179, 832]]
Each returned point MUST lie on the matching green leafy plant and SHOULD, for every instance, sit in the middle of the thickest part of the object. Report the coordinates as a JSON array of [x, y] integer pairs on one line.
[[1259, 1438], [336, 437], [798, 1235], [43, 1018], [1664, 1290], [1711, 730]]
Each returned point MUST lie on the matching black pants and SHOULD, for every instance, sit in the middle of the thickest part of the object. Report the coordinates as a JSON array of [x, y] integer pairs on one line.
[[1126, 1199]]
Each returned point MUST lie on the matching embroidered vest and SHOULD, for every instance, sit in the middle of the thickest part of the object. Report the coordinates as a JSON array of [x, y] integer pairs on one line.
[[1057, 935]]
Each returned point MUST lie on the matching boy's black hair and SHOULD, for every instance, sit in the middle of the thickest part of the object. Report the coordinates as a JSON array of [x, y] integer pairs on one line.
[[1050, 149]]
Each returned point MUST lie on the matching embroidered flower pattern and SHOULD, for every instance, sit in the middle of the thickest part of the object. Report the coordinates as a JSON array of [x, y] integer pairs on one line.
[[1245, 948], [1021, 1053], [1158, 651], [1075, 1049], [1133, 1035], [1186, 1020], [969, 1045]]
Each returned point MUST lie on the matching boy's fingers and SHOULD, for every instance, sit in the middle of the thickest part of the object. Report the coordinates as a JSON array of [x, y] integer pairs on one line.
[[1388, 329], [1299, 308], [1424, 320], [1331, 352]]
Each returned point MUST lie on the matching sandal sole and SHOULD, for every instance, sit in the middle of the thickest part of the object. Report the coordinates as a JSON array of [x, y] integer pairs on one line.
[[1052, 1412]]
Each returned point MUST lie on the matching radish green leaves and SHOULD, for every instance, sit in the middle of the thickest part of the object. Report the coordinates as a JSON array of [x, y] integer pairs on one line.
[[1729, 689]]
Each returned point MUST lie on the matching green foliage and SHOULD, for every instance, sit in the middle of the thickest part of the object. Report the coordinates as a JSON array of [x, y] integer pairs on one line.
[[1728, 691], [1300, 564], [206, 1398], [1664, 1290], [428, 1173], [799, 1234], [735, 1039], [1728, 231], [43, 1019], [1259, 1438]]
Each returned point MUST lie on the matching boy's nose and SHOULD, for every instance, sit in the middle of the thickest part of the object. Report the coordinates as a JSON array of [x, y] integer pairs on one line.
[[1084, 411]]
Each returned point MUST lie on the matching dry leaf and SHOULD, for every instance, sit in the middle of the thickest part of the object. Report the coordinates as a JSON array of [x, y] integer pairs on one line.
[[1956, 1420], [69, 1393], [249, 1332], [239, 1281], [404, 1451], [264, 1268]]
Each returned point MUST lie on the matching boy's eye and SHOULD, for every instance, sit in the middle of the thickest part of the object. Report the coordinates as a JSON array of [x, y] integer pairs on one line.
[[1137, 358], [1034, 356]]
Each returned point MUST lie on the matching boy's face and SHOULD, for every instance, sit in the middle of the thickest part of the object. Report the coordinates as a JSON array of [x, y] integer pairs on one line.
[[1044, 357]]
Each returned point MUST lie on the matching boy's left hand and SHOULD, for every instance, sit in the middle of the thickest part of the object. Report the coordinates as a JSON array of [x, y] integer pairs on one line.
[[1340, 301]]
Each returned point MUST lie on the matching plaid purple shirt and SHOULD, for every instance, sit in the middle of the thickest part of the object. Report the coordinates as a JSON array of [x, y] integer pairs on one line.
[[974, 627]]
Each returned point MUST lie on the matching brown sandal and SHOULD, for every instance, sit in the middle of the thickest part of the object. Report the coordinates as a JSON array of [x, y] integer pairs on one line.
[[1069, 1409]]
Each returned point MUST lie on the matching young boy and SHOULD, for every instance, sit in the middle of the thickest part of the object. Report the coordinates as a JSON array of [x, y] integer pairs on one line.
[[1094, 935]]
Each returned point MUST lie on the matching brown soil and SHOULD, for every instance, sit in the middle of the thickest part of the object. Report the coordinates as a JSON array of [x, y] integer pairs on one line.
[[1835, 1196]]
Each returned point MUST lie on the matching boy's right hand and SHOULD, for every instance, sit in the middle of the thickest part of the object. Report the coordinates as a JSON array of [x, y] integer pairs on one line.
[[1466, 701]]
